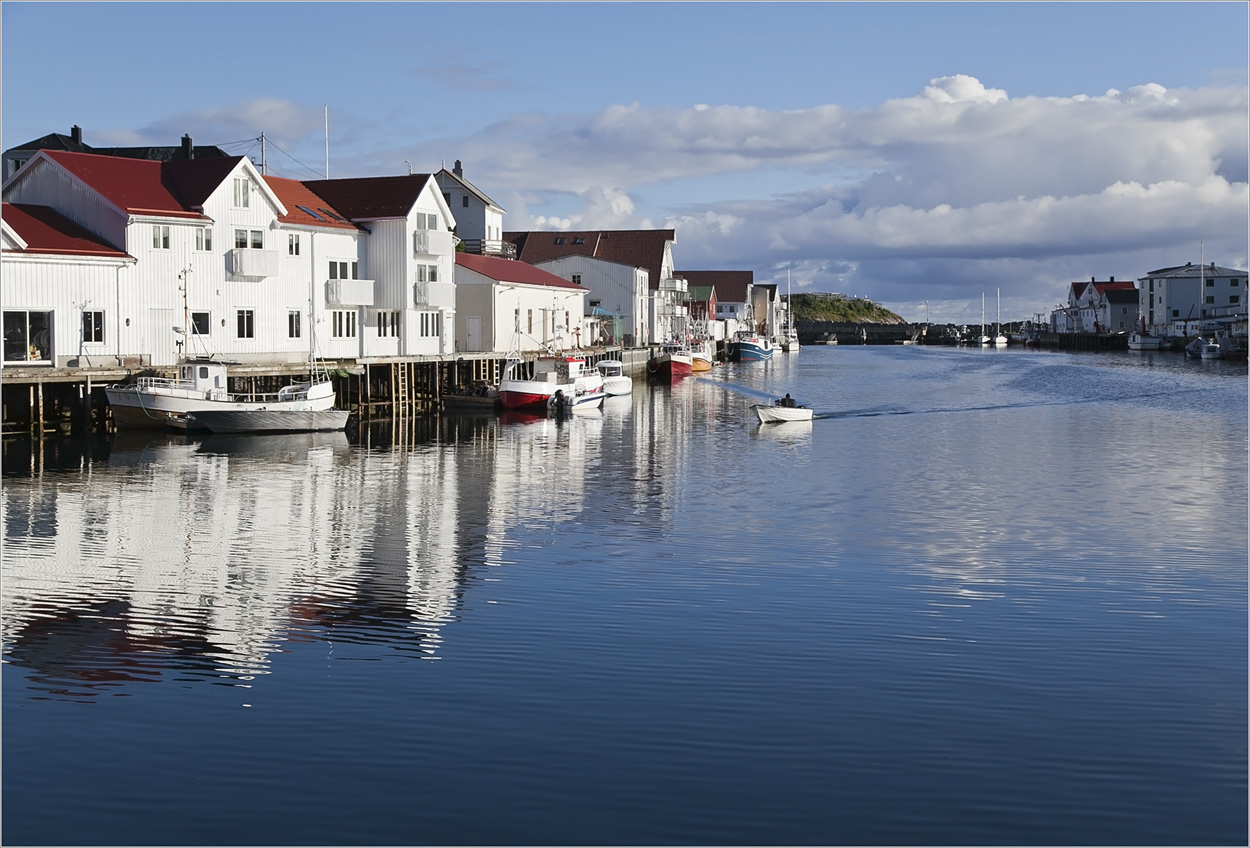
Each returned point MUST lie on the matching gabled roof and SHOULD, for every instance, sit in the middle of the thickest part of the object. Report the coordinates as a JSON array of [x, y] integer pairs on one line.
[[369, 198], [700, 293], [47, 231], [468, 186], [1114, 285], [641, 248], [1121, 295], [513, 271], [731, 286], [55, 141], [305, 207], [145, 187], [74, 144], [1191, 271]]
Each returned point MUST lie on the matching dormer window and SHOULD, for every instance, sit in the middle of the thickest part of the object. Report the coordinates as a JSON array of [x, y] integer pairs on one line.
[[579, 240], [559, 239]]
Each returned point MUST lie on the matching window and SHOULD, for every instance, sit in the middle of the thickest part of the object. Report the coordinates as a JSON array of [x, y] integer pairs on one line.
[[1176, 313], [200, 323], [1233, 282], [1210, 298], [203, 238], [254, 239], [160, 237], [93, 327], [27, 336], [559, 239], [431, 324], [388, 324], [577, 279], [1232, 298], [242, 192], [464, 201], [343, 324], [292, 244], [246, 324], [447, 197], [427, 273], [1210, 282], [293, 324], [340, 269], [530, 329], [579, 240]]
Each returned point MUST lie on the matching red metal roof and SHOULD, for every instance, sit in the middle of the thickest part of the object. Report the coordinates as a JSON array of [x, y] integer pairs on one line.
[[142, 186], [640, 248], [364, 198], [305, 207], [513, 271], [47, 231]]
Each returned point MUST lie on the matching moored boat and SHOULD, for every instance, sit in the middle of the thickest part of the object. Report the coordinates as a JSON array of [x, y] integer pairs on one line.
[[576, 383], [748, 346], [671, 362], [615, 381]]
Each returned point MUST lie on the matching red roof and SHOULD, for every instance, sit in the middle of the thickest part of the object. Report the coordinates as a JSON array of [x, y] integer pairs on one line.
[[640, 248], [513, 271], [305, 207], [47, 231], [143, 186], [364, 198]]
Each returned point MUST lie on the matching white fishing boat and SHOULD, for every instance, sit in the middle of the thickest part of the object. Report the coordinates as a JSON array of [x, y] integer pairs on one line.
[[615, 381], [781, 410], [1142, 341], [558, 380]]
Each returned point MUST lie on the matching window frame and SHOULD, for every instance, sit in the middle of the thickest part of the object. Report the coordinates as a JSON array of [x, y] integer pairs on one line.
[[93, 326], [245, 323]]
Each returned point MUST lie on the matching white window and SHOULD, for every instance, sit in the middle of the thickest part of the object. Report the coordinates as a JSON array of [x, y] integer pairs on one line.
[[577, 279], [388, 324], [343, 324], [293, 324], [242, 192], [427, 273], [160, 237], [254, 239], [203, 238], [93, 327], [292, 244], [431, 324]]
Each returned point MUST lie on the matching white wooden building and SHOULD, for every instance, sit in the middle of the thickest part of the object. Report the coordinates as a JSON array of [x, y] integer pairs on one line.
[[1176, 300], [504, 305], [479, 220], [140, 261], [614, 287]]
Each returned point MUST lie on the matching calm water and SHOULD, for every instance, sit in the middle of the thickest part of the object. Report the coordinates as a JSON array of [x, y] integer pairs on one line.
[[986, 597]]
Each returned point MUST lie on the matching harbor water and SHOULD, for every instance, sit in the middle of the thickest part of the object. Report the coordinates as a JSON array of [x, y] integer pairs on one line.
[[985, 597]]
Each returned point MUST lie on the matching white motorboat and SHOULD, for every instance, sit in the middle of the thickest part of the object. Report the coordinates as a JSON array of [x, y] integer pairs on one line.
[[160, 402], [615, 380], [781, 410]]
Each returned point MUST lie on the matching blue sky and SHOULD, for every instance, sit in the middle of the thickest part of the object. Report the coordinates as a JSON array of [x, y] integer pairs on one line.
[[915, 153]]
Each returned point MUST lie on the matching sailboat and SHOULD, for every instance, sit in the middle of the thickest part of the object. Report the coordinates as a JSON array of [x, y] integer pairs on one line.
[[983, 339], [193, 399], [999, 339], [790, 341]]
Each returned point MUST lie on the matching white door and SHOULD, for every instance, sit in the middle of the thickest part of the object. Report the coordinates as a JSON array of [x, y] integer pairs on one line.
[[473, 333], [162, 340]]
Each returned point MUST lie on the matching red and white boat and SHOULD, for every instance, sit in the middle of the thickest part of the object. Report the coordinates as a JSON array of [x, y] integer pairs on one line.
[[672, 362], [561, 380]]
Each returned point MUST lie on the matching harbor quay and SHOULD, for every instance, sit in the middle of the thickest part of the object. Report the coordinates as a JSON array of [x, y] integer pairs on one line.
[[41, 401]]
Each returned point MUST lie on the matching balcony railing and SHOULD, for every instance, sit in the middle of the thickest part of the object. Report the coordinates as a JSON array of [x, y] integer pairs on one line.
[[490, 247], [258, 264], [349, 292], [433, 242]]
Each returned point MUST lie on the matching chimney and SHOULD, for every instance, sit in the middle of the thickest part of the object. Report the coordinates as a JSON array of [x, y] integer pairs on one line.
[[1113, 278], [458, 170], [188, 149], [75, 134]]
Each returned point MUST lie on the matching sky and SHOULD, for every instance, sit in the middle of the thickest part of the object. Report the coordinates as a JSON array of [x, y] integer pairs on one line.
[[920, 154]]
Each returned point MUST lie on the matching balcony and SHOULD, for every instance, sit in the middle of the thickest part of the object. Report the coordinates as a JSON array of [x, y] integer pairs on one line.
[[255, 264], [490, 247], [673, 284], [349, 292], [433, 243]]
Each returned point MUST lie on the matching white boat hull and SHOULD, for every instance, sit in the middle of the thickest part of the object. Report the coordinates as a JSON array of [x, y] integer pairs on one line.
[[163, 406], [270, 420], [769, 414]]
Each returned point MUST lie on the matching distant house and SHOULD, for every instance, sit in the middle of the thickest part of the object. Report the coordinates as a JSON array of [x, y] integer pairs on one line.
[[663, 313], [505, 305], [479, 220], [1175, 300], [16, 157], [619, 291], [1089, 309], [739, 303]]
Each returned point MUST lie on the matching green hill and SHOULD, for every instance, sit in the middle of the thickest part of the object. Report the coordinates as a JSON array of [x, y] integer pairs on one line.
[[839, 307]]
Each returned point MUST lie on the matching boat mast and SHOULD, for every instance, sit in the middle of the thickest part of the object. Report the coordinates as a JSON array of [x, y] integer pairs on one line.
[[186, 315]]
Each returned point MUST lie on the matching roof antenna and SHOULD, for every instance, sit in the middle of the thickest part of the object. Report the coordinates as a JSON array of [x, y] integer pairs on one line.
[[409, 164]]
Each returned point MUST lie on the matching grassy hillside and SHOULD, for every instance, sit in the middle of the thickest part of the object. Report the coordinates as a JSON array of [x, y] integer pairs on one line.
[[837, 307]]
